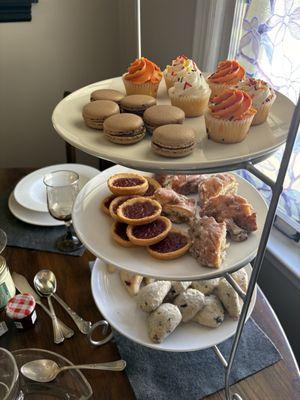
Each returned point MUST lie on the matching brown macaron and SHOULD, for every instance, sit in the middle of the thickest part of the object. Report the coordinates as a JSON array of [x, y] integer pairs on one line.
[[107, 94], [162, 115], [96, 112], [173, 140], [137, 103], [124, 128]]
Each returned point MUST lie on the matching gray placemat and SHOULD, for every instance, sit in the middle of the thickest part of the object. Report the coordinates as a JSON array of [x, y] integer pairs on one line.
[[163, 375], [20, 234]]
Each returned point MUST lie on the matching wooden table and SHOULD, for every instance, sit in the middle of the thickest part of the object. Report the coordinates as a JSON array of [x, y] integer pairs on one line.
[[277, 382]]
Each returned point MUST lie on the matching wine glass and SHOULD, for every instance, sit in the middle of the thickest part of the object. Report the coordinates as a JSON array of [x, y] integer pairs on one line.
[[62, 188], [9, 377], [3, 240]]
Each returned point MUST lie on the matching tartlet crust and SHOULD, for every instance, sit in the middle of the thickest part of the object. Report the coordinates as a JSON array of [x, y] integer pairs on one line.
[[153, 182], [103, 205], [173, 254], [147, 242], [143, 220], [117, 238], [139, 189], [115, 201]]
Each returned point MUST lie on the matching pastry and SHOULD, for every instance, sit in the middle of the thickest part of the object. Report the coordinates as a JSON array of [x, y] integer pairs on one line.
[[229, 298], [191, 93], [137, 103], [182, 184], [229, 117], [115, 204], [189, 303], [263, 96], [156, 116], [105, 203], [131, 282], [208, 241], [231, 207], [177, 207], [127, 183], [143, 77], [178, 287], [148, 280], [107, 94], [217, 184], [95, 113], [151, 296], [139, 211], [124, 128], [178, 68], [152, 186], [212, 314], [173, 140], [163, 321], [110, 268], [118, 233], [145, 235], [174, 245], [206, 286], [228, 74]]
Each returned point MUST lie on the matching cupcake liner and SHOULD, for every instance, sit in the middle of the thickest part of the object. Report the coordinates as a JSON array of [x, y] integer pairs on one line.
[[193, 106], [218, 88], [148, 88], [263, 112], [224, 131]]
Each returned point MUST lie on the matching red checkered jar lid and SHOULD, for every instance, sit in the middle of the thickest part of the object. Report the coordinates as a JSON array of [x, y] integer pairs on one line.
[[20, 306]]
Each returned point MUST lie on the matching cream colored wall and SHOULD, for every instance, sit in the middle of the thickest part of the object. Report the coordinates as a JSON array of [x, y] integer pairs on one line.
[[68, 44]]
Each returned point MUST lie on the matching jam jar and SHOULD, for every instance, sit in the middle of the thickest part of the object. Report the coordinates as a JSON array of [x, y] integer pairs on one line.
[[21, 311], [7, 287]]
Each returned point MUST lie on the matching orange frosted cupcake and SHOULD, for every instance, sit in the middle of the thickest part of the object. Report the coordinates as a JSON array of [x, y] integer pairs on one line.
[[143, 77], [229, 117], [228, 74], [263, 96]]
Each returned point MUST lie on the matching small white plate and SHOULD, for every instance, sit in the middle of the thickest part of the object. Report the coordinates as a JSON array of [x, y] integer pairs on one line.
[[29, 216], [30, 191], [262, 139], [122, 312], [93, 228]]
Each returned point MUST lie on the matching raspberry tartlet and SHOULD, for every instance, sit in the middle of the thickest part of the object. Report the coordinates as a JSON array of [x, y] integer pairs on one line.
[[139, 211], [152, 186], [118, 233], [127, 184], [174, 245], [105, 203], [148, 234], [115, 203]]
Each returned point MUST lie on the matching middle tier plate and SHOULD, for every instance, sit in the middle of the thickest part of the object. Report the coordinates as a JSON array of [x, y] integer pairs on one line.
[[94, 230]]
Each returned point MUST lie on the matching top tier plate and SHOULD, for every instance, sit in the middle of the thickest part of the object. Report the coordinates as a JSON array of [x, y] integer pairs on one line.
[[208, 155]]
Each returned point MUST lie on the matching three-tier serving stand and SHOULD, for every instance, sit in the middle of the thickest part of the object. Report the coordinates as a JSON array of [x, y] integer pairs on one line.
[[276, 188]]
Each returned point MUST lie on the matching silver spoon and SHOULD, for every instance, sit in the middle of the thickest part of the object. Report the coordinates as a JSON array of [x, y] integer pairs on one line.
[[45, 283], [47, 370]]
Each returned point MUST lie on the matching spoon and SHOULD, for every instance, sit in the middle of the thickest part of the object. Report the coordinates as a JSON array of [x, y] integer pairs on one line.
[[45, 283], [47, 370]]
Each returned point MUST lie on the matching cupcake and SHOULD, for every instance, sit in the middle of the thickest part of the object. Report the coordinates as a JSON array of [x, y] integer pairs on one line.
[[263, 96], [143, 77], [229, 116], [178, 68], [228, 74], [191, 93]]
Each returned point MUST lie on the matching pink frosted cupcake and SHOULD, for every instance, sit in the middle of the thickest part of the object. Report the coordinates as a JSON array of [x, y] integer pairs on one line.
[[263, 96], [177, 69]]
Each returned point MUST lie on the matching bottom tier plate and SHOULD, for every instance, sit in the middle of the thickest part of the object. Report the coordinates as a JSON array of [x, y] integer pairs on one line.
[[122, 312]]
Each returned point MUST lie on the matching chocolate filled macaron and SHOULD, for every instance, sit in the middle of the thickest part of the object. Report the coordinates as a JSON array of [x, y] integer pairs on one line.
[[96, 112], [173, 140], [162, 115], [124, 128], [107, 94], [137, 103]]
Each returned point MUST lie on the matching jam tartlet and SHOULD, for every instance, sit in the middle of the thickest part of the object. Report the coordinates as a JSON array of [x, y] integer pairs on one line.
[[154, 232], [139, 211], [174, 245], [127, 184], [118, 233], [152, 186], [115, 203], [105, 203]]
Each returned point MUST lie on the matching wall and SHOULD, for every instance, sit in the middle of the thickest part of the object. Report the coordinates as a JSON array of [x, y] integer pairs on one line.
[[68, 44]]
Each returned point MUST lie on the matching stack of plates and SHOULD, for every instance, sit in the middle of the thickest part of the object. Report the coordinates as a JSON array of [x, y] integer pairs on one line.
[[28, 201]]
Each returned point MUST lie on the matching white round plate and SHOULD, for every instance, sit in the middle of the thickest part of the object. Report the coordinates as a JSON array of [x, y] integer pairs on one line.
[[30, 191], [122, 312], [93, 228], [29, 216], [261, 140]]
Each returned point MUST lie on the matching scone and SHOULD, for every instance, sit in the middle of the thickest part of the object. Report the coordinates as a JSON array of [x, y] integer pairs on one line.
[[212, 314], [189, 303], [152, 295], [163, 321], [206, 286], [229, 298]]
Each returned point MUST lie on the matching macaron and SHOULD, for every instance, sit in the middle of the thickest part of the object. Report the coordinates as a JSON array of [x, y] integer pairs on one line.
[[162, 115], [107, 94], [96, 112], [124, 128], [137, 103], [173, 140]]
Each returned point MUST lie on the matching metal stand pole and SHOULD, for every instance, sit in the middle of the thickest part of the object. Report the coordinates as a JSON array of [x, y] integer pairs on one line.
[[138, 29]]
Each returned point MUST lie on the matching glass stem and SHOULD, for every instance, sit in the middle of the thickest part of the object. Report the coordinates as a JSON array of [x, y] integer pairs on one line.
[[69, 230]]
